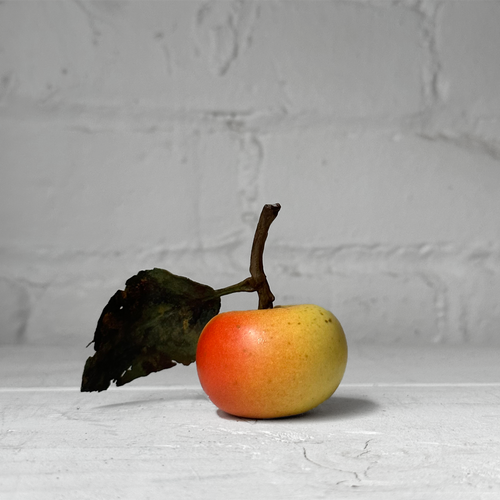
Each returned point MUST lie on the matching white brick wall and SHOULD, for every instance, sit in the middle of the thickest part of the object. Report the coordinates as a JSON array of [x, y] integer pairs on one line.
[[146, 133]]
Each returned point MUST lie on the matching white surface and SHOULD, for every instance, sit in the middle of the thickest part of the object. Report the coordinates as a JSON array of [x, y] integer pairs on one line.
[[419, 423]]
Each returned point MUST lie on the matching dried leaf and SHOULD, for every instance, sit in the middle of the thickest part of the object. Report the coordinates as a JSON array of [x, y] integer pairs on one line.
[[151, 325]]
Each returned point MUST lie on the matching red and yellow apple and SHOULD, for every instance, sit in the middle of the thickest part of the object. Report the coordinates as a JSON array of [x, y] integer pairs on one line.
[[270, 363]]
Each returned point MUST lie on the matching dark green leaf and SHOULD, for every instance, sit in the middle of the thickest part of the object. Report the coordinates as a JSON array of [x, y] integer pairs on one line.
[[151, 325]]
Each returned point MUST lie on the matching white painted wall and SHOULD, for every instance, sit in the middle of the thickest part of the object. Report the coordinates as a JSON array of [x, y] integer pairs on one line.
[[139, 134]]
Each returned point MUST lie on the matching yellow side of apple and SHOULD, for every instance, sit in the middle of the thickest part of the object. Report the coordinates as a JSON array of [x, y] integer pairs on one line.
[[271, 363]]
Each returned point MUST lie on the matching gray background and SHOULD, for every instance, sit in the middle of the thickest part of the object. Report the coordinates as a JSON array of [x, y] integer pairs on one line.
[[140, 134]]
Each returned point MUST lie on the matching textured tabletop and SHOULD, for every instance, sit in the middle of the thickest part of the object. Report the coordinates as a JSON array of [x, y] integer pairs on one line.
[[406, 423]]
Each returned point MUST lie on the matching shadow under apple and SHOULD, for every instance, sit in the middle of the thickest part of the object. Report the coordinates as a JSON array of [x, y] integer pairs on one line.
[[334, 408], [341, 407]]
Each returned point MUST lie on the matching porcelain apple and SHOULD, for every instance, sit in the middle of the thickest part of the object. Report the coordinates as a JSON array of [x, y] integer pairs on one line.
[[270, 363]]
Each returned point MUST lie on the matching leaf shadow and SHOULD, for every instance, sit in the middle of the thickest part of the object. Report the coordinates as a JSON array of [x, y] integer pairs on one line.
[[334, 408], [169, 396]]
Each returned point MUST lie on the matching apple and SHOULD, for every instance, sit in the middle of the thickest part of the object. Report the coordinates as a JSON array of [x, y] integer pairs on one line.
[[270, 363]]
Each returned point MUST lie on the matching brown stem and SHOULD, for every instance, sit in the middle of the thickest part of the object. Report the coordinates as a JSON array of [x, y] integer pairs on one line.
[[243, 286], [257, 282], [267, 216]]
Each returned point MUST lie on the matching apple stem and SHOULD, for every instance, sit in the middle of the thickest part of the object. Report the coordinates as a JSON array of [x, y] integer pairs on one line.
[[267, 216], [257, 282]]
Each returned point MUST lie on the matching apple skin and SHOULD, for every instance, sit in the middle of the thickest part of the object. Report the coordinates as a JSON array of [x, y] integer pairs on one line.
[[270, 363]]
